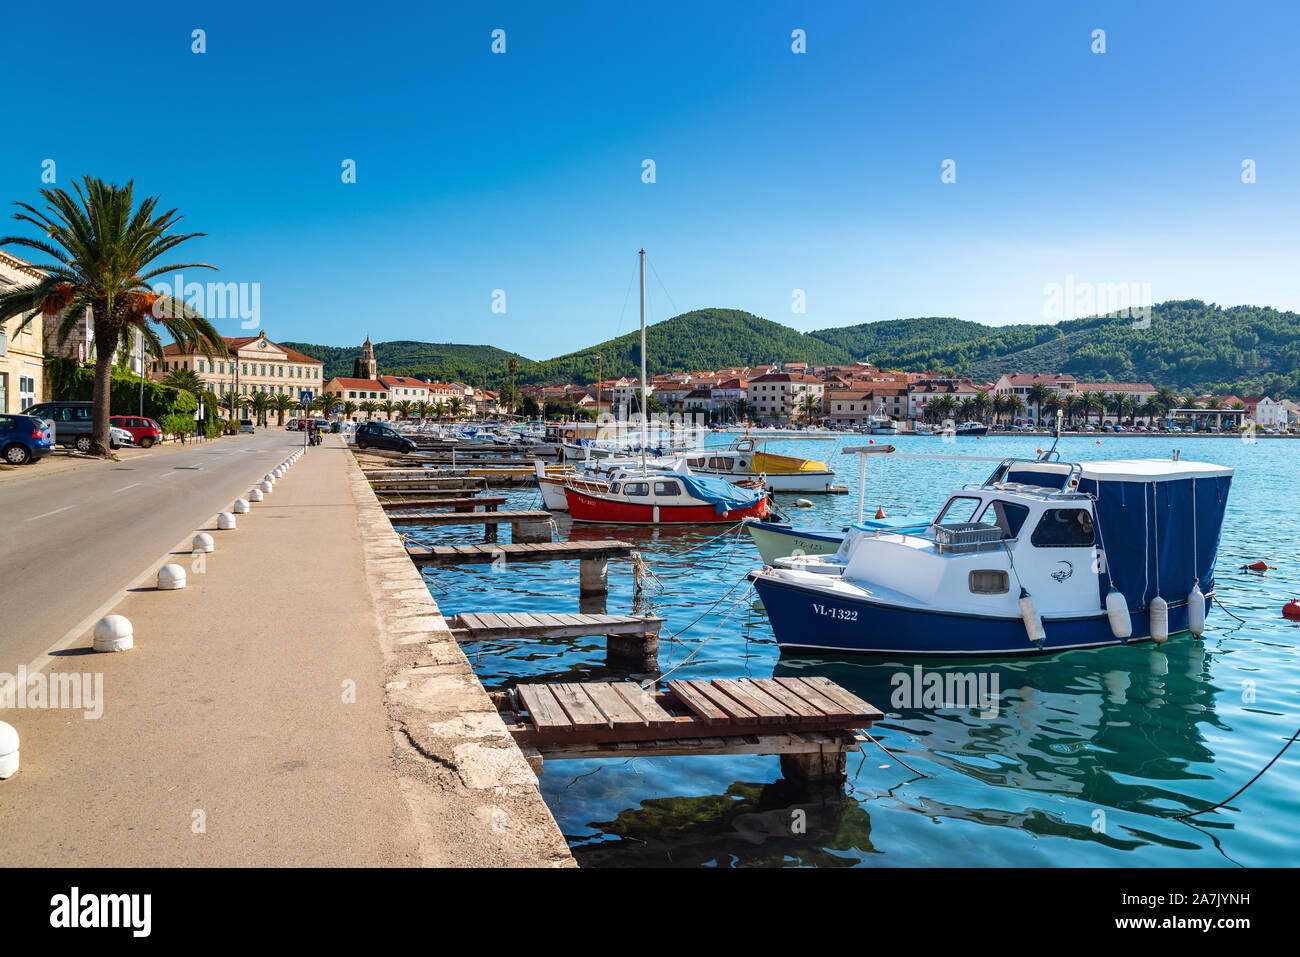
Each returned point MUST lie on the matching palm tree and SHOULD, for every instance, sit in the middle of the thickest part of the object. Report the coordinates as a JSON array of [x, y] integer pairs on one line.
[[455, 405], [387, 406], [349, 410], [424, 408], [1037, 394], [404, 408], [808, 407], [327, 402], [230, 400], [282, 403], [439, 410], [981, 403], [369, 408], [185, 379], [1114, 403], [260, 403], [104, 248], [1053, 403]]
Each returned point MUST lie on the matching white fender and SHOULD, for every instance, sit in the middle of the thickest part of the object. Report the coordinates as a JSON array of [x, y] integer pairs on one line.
[[1196, 610], [1121, 622], [1032, 619], [1159, 620]]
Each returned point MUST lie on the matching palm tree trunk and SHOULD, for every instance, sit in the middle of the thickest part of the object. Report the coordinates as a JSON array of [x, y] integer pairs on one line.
[[105, 346]]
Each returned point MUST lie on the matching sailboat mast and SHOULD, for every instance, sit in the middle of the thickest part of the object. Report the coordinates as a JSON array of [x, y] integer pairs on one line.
[[645, 388]]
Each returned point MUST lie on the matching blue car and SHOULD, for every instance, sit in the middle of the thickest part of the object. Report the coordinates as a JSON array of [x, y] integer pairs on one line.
[[23, 439]]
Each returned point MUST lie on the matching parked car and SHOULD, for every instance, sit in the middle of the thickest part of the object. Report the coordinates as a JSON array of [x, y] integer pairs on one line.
[[373, 435], [246, 425], [146, 432], [119, 437], [23, 439], [74, 424]]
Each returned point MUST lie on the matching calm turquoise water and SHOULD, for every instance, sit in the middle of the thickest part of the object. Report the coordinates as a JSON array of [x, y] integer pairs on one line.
[[1086, 761]]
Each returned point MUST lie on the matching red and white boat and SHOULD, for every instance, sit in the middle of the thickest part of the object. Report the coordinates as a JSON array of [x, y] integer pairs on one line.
[[665, 498]]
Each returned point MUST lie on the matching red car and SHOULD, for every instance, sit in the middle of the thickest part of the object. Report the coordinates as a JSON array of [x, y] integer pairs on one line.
[[145, 431]]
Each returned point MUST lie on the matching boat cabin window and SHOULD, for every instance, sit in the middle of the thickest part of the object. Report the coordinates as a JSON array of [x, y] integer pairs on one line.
[[1064, 528], [667, 488], [960, 508], [636, 488], [1005, 515], [988, 581]]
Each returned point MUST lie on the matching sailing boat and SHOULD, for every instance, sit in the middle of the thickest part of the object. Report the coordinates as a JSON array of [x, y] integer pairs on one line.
[[656, 497]]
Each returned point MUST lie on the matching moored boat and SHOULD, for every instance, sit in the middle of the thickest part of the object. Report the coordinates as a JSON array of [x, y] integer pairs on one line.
[[1044, 556], [666, 499]]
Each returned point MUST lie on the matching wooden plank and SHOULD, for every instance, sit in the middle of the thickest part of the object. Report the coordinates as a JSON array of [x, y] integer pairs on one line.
[[765, 713], [612, 705], [789, 713], [732, 708], [543, 709], [792, 701], [814, 697], [844, 697], [699, 705], [583, 714], [470, 621], [644, 703]]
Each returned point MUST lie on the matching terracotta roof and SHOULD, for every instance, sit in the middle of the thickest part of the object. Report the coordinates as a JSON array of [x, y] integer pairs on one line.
[[370, 385], [1113, 387], [233, 344], [786, 377]]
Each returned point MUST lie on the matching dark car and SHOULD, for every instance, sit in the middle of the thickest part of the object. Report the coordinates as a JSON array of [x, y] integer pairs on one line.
[[23, 439], [146, 432], [372, 435], [74, 423]]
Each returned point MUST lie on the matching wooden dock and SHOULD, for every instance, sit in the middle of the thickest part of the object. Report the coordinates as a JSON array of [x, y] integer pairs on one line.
[[631, 641], [489, 502], [593, 557], [531, 527], [811, 722]]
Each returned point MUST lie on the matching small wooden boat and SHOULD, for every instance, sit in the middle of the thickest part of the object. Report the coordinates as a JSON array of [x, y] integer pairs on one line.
[[666, 498]]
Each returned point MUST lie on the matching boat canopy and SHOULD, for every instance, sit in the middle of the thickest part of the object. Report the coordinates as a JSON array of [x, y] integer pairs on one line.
[[1157, 521], [772, 464], [720, 493]]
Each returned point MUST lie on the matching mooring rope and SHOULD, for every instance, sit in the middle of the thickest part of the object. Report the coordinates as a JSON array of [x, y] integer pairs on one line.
[[1240, 790]]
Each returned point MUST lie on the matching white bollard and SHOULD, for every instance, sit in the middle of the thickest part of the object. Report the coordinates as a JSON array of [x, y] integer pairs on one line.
[[203, 543], [225, 521], [240, 506], [254, 494], [171, 578], [266, 487], [113, 633], [268, 477], [8, 751]]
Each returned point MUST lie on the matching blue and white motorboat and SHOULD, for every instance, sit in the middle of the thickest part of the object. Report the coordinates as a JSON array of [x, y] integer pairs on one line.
[[1043, 556]]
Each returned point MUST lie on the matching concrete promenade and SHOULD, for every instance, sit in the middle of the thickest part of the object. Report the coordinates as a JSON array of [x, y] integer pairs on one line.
[[296, 704]]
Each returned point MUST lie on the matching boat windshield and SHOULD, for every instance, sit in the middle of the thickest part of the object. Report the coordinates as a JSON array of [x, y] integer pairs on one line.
[[960, 508], [1007, 516]]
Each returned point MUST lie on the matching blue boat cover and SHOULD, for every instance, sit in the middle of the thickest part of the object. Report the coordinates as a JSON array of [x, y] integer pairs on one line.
[[721, 494], [1158, 523]]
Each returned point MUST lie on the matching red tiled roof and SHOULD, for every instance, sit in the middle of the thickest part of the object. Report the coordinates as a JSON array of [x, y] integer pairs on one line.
[[233, 344]]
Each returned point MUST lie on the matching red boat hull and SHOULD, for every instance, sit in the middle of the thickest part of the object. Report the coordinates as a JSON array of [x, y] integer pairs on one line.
[[605, 511]]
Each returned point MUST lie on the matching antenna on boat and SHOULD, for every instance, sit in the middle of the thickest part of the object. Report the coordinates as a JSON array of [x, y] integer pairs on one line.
[[1046, 456], [645, 388]]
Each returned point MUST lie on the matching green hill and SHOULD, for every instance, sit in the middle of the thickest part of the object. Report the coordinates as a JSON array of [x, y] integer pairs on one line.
[[444, 361], [700, 339], [1188, 345]]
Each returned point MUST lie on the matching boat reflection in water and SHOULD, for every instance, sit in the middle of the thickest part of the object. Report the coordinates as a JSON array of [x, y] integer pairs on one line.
[[1106, 745]]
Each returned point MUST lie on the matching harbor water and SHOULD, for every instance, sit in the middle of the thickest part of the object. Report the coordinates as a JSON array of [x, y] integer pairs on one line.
[[1077, 759]]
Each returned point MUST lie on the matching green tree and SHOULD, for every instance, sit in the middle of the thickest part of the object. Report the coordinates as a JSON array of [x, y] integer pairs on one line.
[[102, 250]]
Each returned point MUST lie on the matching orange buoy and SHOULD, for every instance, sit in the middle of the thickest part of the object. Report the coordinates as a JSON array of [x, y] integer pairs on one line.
[[1291, 610], [1258, 566], [880, 511]]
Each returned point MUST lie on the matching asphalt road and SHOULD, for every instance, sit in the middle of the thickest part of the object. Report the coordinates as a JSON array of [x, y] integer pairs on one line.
[[72, 540]]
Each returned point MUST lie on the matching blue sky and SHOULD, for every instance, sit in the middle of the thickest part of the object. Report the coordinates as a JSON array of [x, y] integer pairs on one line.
[[775, 171]]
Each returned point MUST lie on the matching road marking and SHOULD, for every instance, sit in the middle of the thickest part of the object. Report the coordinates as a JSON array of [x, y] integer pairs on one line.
[[48, 514], [125, 487]]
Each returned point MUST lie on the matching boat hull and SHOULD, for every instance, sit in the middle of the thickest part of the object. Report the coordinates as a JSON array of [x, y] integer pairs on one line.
[[606, 511], [781, 541], [810, 619]]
